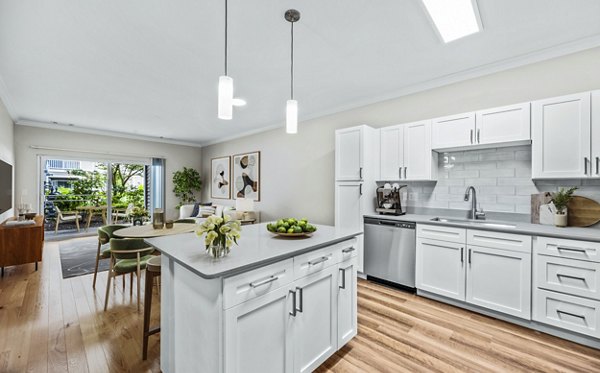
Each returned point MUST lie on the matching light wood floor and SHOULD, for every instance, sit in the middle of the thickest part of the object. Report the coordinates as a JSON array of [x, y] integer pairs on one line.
[[48, 324]]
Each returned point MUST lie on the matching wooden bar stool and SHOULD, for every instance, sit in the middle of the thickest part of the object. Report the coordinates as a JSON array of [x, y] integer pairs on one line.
[[152, 272]]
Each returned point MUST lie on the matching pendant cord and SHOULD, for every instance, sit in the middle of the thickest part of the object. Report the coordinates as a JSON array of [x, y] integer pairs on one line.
[[226, 17], [292, 64]]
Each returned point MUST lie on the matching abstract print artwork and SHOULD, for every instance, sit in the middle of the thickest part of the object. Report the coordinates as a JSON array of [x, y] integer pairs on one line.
[[246, 176], [220, 178]]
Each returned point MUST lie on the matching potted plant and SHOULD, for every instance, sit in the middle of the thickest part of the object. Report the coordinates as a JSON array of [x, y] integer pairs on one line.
[[561, 200], [186, 181], [138, 215]]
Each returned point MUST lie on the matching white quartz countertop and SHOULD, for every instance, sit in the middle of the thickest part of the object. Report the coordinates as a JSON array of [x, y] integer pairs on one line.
[[257, 247], [575, 233]]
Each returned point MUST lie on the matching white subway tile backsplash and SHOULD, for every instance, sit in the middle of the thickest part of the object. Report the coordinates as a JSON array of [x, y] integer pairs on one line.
[[502, 178]]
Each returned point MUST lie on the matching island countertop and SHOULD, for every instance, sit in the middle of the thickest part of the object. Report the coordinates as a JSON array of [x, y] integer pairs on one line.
[[257, 247]]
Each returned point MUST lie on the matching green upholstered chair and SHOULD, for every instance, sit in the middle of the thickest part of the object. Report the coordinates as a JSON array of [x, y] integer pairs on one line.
[[127, 255], [186, 221], [105, 233]]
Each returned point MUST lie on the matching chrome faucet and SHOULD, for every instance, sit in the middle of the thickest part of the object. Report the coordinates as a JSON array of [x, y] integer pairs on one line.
[[475, 213]]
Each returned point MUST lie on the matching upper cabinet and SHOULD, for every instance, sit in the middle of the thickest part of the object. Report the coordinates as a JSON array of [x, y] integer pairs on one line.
[[406, 152], [503, 126], [562, 131], [356, 150], [596, 134]]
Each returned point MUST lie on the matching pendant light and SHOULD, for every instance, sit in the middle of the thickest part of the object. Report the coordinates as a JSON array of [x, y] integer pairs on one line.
[[225, 98], [291, 110]]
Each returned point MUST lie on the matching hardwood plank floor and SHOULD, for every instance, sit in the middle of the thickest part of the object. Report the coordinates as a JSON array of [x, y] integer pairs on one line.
[[48, 324]]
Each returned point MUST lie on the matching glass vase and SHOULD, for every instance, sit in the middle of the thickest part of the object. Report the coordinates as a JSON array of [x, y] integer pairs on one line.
[[217, 249]]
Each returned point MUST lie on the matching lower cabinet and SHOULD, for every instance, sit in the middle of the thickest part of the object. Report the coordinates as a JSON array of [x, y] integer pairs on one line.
[[298, 326], [496, 277]]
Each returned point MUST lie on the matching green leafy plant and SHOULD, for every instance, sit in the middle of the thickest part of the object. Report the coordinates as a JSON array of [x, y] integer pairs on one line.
[[561, 199], [138, 212], [186, 181]]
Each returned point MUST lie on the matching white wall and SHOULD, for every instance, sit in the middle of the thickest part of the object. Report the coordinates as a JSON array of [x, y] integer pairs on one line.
[[177, 156], [7, 152], [297, 171]]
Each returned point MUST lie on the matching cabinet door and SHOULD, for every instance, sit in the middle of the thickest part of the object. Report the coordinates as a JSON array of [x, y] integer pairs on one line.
[[561, 137], [346, 294], [499, 280], [453, 131], [259, 334], [315, 324], [504, 124], [596, 134], [349, 154], [392, 152], [348, 205], [417, 151], [441, 268]]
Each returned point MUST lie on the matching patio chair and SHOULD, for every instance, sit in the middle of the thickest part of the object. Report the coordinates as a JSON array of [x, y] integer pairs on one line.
[[67, 216], [105, 233], [127, 255], [120, 213]]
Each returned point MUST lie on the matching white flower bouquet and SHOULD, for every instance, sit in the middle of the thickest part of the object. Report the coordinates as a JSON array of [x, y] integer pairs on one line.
[[221, 232]]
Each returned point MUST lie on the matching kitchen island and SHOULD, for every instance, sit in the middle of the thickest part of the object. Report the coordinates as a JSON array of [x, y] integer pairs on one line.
[[272, 305]]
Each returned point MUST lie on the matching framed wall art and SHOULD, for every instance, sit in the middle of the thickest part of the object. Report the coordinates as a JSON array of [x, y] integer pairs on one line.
[[246, 176], [220, 176]]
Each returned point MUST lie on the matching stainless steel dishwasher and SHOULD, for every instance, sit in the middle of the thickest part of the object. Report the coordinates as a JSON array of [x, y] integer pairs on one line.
[[390, 250]]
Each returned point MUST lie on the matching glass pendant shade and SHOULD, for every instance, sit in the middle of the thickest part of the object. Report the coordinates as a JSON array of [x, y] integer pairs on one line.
[[225, 97], [291, 117]]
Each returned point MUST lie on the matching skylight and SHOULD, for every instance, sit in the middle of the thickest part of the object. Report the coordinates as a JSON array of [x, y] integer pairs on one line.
[[454, 19]]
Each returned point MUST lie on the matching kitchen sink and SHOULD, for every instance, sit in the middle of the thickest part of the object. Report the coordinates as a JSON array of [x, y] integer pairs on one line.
[[479, 223]]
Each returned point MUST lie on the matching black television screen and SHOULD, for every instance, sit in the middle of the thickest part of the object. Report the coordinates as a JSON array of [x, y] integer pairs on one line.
[[6, 190]]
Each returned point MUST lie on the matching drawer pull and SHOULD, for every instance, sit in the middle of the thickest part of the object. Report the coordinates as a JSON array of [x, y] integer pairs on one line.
[[299, 309], [343, 273], [318, 261], [461, 255], [293, 311], [560, 275], [559, 312], [264, 282], [570, 249], [348, 250]]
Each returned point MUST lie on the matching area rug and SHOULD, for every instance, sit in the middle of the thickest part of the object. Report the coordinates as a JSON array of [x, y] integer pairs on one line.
[[78, 257]]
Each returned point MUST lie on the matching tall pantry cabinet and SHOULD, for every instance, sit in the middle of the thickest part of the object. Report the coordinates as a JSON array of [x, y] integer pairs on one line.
[[356, 172]]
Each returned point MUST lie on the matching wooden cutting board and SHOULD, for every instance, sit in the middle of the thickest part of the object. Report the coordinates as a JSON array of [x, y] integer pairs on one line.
[[583, 212]]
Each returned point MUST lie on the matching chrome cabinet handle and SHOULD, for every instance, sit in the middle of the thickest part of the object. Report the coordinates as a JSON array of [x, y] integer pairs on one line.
[[478, 139], [471, 136], [264, 282], [348, 250], [462, 260], [343, 285], [571, 249], [405, 172], [299, 309], [597, 165], [585, 163], [360, 189], [360, 172], [469, 256], [560, 275], [293, 311], [318, 261], [400, 172], [560, 312]]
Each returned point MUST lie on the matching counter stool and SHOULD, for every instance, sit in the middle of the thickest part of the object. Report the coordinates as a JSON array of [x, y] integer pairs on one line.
[[152, 272]]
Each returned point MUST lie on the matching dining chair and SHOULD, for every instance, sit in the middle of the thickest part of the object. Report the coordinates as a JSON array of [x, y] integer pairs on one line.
[[120, 213], [66, 216], [105, 234], [127, 255]]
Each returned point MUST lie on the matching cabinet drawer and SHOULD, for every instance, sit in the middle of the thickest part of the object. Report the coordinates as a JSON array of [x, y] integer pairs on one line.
[[348, 249], [316, 261], [249, 285], [567, 312], [498, 240], [574, 277], [436, 232], [568, 248]]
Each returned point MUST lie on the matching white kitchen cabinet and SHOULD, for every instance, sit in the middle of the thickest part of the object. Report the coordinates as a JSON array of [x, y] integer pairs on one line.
[[267, 316], [406, 152], [441, 268], [315, 324], [595, 172], [561, 133], [392, 152], [567, 312], [349, 153], [347, 318], [499, 280], [349, 205], [453, 131], [508, 124]]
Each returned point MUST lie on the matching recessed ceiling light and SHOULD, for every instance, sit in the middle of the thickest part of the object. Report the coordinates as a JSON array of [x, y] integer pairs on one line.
[[239, 102], [454, 19]]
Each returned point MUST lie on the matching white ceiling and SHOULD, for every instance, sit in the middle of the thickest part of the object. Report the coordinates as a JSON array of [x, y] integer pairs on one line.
[[150, 67]]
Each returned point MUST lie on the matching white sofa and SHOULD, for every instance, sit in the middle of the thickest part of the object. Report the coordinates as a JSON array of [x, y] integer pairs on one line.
[[185, 212]]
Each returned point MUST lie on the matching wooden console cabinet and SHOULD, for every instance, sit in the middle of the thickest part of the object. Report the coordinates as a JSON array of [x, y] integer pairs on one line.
[[21, 244]]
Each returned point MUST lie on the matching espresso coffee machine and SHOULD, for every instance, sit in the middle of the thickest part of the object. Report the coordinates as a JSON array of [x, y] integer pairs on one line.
[[391, 199]]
